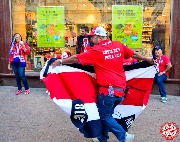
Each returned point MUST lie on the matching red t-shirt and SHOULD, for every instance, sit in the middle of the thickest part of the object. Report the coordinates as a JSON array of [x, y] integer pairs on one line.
[[163, 61], [83, 43], [107, 58]]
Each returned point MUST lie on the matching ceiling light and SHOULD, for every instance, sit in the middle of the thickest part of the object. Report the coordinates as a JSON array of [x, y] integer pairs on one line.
[[84, 5]]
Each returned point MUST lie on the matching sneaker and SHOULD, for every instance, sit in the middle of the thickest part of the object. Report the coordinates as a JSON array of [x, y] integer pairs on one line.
[[27, 91], [129, 137], [18, 92], [95, 140], [163, 99]]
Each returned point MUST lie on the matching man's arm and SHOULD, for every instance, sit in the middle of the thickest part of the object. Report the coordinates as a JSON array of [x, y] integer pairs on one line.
[[167, 69], [78, 48], [141, 57], [69, 60]]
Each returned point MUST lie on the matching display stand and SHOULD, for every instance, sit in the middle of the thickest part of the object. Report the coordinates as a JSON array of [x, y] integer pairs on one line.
[[38, 62]]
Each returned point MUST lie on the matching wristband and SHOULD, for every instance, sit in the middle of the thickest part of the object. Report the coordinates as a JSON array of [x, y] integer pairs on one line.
[[60, 61]]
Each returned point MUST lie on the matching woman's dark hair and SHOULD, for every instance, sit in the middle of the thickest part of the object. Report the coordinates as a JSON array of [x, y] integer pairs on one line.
[[14, 37], [13, 42]]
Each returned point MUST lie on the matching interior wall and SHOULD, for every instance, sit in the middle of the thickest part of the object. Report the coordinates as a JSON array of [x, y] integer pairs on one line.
[[78, 12]]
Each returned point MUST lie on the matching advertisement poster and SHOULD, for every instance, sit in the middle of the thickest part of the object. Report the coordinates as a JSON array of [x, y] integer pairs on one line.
[[50, 26], [127, 23]]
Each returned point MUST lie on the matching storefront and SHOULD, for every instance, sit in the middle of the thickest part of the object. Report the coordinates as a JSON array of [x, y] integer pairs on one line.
[[156, 23]]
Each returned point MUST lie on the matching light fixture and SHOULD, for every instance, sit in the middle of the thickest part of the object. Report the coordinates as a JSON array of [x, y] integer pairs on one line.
[[84, 5]]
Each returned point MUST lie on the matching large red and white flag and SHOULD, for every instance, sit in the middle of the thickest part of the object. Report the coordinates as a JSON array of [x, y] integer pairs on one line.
[[74, 89]]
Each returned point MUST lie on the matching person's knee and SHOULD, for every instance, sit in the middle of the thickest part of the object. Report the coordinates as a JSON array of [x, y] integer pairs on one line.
[[159, 80], [16, 72], [22, 76]]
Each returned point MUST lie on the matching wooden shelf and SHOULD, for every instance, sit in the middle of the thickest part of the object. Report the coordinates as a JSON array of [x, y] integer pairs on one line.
[[147, 26], [147, 35]]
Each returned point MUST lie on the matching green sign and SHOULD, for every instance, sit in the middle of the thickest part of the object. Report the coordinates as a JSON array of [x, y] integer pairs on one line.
[[50, 26], [127, 23]]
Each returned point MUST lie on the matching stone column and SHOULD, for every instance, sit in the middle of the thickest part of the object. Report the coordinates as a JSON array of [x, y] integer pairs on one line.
[[5, 35], [175, 41], [18, 17]]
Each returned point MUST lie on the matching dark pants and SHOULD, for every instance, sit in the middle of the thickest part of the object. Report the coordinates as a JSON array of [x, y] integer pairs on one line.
[[160, 82], [20, 75], [106, 105]]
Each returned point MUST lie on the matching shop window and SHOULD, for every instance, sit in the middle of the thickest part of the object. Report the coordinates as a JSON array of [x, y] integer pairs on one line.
[[29, 1], [156, 14]]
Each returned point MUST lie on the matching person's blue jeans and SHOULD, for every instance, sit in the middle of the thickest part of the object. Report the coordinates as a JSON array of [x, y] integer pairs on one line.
[[20, 75], [160, 82], [106, 105]]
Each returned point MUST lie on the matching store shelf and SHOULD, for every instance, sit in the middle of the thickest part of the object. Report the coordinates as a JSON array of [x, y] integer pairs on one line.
[[147, 35]]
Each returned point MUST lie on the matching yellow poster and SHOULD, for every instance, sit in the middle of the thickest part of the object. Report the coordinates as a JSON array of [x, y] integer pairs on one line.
[[50, 26], [127, 23]]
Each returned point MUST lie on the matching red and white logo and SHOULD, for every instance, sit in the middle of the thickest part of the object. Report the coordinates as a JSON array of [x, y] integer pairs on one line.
[[169, 130]]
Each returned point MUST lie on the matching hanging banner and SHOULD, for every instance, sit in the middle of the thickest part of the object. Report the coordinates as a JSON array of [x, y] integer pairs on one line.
[[50, 26], [127, 23]]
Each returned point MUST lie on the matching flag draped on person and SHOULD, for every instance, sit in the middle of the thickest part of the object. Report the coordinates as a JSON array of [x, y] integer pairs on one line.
[[74, 89]]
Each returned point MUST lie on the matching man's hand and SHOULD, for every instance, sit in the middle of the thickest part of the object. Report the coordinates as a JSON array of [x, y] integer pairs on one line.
[[56, 63], [69, 60], [161, 73], [141, 57], [150, 60]]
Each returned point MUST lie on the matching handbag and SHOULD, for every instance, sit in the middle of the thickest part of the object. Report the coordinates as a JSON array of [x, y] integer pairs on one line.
[[16, 59], [22, 62]]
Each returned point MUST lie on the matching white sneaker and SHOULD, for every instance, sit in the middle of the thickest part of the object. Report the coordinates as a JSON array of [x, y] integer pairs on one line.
[[95, 140], [163, 99], [129, 137]]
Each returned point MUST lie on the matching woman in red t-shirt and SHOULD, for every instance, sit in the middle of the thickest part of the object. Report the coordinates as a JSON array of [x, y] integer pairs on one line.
[[164, 65]]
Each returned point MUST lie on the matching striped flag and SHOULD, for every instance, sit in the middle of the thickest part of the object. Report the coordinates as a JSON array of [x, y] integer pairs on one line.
[[74, 89]]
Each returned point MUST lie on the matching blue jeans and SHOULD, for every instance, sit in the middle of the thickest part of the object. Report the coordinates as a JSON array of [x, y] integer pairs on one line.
[[160, 82], [20, 75], [106, 105]]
